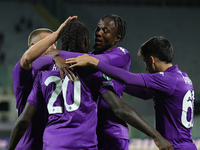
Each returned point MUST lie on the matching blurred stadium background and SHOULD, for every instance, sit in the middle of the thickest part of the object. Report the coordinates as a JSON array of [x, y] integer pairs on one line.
[[177, 20]]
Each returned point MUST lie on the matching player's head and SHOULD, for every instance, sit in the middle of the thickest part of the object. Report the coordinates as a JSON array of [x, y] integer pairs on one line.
[[39, 34], [75, 37], [156, 47], [110, 30]]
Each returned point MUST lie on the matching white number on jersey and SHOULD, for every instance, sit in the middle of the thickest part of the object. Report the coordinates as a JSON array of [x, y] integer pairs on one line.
[[63, 87], [188, 102]]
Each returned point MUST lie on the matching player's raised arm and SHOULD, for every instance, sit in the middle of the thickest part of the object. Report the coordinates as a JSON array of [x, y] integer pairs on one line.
[[40, 47]]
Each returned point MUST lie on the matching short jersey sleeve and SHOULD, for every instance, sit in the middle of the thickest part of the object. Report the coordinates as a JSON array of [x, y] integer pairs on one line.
[[22, 84], [20, 75]]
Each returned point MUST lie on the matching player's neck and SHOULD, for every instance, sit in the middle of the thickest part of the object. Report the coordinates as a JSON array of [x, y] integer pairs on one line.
[[162, 66], [111, 48]]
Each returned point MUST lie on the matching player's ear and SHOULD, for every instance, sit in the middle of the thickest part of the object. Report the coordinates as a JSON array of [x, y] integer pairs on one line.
[[32, 43], [117, 38], [152, 59], [87, 43]]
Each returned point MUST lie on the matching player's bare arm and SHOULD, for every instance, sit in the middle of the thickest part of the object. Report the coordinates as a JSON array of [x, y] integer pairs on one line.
[[21, 125], [40, 47], [129, 115]]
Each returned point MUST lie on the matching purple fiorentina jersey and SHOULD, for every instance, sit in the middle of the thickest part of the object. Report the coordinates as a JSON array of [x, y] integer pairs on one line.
[[22, 85], [109, 125], [174, 105], [72, 118]]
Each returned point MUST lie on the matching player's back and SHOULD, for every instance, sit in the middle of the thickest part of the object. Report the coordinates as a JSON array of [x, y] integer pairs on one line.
[[72, 112], [175, 110]]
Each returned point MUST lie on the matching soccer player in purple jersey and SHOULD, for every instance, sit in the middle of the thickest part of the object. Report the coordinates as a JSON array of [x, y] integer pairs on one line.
[[173, 92], [112, 132], [71, 108], [23, 77]]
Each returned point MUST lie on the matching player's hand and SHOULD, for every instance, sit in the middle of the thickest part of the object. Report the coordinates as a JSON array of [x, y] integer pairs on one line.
[[162, 143], [63, 68], [64, 23], [84, 60]]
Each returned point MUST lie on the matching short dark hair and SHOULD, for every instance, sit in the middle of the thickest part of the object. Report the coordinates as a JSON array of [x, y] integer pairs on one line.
[[159, 47], [119, 23], [73, 36]]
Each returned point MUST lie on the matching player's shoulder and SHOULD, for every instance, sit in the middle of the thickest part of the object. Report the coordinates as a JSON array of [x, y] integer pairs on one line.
[[164, 75], [120, 50], [51, 72], [48, 73], [18, 67], [47, 76], [19, 71]]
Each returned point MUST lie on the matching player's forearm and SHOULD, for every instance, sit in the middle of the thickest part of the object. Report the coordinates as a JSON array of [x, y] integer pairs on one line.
[[121, 74], [126, 113], [135, 120], [139, 92], [37, 50], [17, 132], [129, 115]]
